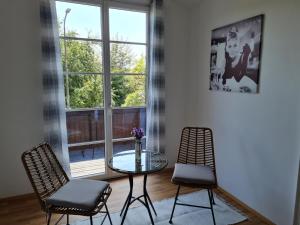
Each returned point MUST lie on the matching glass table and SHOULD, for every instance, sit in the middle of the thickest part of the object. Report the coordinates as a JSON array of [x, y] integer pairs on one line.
[[125, 162]]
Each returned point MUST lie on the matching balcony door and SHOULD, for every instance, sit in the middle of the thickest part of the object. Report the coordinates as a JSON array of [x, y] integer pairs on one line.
[[104, 57]]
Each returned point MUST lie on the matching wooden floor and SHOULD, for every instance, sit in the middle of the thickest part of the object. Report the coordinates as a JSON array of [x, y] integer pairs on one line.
[[25, 210]]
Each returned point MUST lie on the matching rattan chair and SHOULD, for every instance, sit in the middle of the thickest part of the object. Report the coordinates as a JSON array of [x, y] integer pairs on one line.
[[56, 193], [195, 165]]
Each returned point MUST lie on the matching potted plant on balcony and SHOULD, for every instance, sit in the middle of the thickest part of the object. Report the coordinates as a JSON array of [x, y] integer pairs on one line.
[[138, 134]]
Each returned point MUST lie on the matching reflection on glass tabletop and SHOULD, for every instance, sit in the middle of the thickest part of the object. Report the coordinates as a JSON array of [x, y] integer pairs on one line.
[[124, 162]]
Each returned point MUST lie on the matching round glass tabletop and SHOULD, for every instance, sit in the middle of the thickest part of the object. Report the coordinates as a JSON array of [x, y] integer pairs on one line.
[[124, 162]]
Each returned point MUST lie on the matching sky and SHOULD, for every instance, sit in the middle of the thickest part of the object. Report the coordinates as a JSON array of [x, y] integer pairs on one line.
[[127, 25]]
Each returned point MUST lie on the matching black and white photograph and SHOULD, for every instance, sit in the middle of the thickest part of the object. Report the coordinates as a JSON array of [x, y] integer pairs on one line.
[[235, 56]]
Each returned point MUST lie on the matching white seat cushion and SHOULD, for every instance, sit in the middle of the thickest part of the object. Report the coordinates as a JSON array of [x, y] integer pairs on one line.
[[81, 194], [193, 174]]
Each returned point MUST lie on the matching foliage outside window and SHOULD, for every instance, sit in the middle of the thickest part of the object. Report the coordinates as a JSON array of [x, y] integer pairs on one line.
[[86, 88]]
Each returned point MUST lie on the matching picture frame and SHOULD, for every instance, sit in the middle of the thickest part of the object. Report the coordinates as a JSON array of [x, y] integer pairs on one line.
[[235, 56]]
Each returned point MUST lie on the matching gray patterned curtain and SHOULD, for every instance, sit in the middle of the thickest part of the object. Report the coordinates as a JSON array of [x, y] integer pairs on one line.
[[55, 132], [156, 82]]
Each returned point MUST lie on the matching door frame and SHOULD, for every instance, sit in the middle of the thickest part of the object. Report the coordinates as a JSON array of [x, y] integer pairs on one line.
[[105, 5]]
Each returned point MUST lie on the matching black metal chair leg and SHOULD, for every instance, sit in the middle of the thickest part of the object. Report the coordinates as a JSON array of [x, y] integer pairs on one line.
[[91, 219], [212, 196], [211, 206], [170, 221], [107, 212], [68, 219], [49, 218]]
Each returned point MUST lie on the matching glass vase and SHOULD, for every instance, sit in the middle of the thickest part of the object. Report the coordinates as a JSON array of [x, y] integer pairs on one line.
[[138, 151]]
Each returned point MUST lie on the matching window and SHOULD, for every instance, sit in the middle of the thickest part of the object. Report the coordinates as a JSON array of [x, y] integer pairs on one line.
[[105, 70], [128, 49]]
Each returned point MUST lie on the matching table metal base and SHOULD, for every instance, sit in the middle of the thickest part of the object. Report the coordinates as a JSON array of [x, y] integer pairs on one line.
[[130, 199]]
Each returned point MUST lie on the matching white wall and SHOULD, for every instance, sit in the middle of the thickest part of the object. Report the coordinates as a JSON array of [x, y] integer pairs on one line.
[[176, 56], [20, 91], [256, 135]]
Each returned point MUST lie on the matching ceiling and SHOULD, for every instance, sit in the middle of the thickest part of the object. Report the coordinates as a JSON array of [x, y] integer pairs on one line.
[[188, 2]]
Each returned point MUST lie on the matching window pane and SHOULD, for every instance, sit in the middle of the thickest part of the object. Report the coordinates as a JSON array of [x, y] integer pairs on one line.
[[86, 126], [81, 20], [127, 58], [81, 56], [127, 25], [123, 120], [128, 90], [87, 160], [85, 91]]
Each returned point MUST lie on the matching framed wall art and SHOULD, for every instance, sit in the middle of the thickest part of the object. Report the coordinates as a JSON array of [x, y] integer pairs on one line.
[[236, 55]]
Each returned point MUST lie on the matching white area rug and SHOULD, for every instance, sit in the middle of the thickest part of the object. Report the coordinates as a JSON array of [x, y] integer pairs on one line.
[[183, 215]]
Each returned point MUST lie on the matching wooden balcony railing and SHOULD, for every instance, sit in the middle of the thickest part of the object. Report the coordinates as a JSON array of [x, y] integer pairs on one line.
[[86, 126]]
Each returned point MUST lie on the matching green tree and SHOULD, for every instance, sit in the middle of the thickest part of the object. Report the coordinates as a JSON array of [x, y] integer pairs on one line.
[[121, 62], [139, 65], [137, 85], [90, 94], [136, 98], [84, 90]]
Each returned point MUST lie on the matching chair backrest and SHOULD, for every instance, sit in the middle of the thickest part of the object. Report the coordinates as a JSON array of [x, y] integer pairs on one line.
[[197, 147], [44, 171]]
